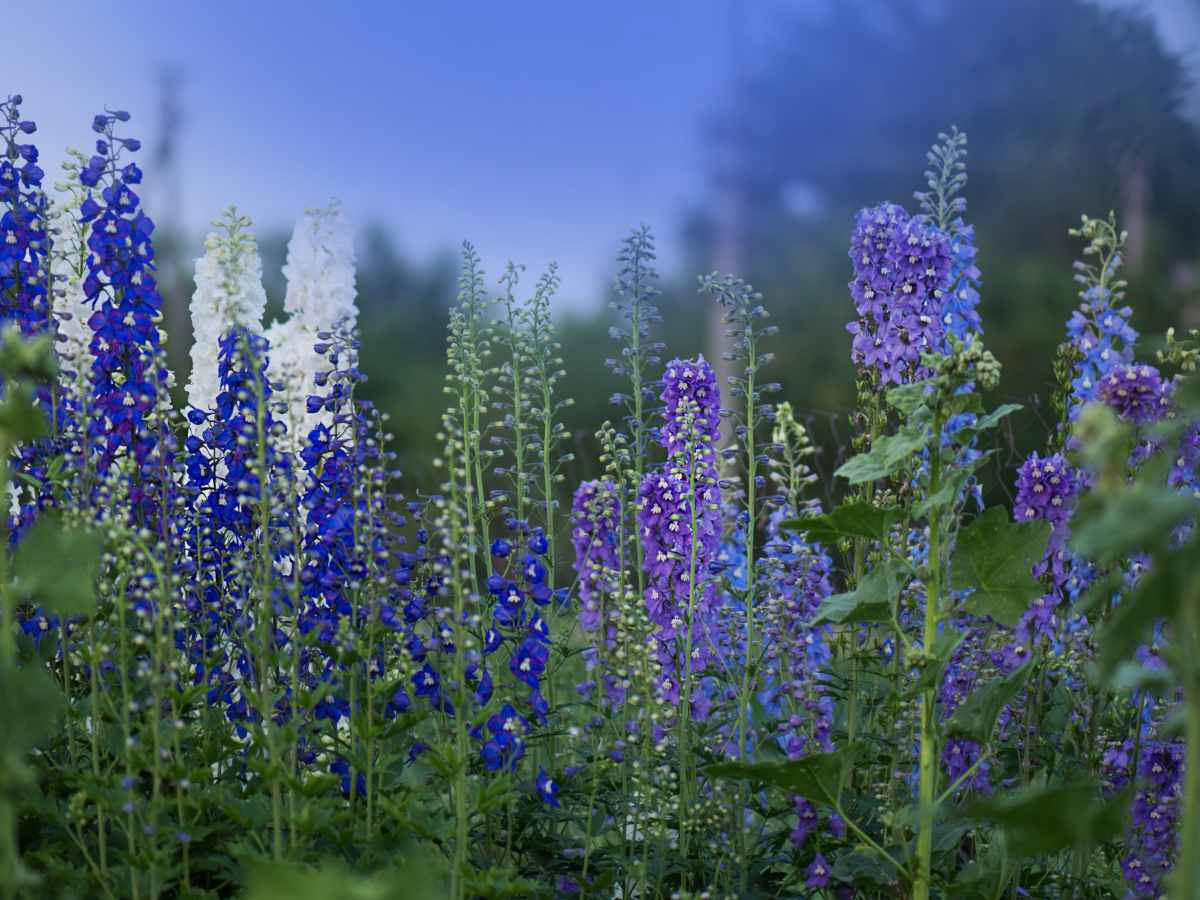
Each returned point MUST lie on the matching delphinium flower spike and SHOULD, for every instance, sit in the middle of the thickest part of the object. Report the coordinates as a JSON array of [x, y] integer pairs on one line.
[[129, 372], [24, 238], [320, 294], [71, 310], [25, 298], [944, 206], [1099, 329], [229, 293]]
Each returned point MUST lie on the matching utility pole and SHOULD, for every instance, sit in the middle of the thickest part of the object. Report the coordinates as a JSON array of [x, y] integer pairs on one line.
[[166, 209], [728, 249]]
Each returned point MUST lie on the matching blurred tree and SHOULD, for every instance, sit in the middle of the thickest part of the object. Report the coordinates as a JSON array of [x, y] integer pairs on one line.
[[1070, 107]]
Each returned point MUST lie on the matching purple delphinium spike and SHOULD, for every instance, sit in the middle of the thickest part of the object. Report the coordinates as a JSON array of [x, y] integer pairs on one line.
[[1136, 393], [24, 240], [129, 374], [685, 488], [902, 272]]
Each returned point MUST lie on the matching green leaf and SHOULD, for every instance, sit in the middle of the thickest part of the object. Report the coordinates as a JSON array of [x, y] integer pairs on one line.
[[995, 557], [21, 420], [992, 419], [907, 398], [931, 673], [816, 776], [863, 864], [983, 877], [976, 717], [22, 357], [1138, 517], [411, 876], [1130, 677], [886, 457], [1043, 819], [56, 567], [850, 520], [949, 491], [1158, 595], [871, 601], [29, 705]]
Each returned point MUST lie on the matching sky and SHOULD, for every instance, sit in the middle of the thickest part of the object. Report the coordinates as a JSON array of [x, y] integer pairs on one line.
[[538, 130]]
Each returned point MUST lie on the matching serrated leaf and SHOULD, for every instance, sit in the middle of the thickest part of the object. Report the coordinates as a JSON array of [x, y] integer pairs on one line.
[[886, 457], [871, 601], [994, 558], [907, 398], [976, 716], [816, 776], [850, 520], [1043, 819]]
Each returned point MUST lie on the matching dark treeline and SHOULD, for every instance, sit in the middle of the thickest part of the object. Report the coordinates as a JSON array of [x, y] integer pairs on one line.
[[1069, 107]]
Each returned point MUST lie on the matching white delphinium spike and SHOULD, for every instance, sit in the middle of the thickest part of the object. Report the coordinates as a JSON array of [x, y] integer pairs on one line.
[[320, 270], [68, 267], [320, 297], [291, 370], [229, 292]]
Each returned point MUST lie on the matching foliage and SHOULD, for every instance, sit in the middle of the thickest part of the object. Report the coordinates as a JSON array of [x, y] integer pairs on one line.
[[239, 663]]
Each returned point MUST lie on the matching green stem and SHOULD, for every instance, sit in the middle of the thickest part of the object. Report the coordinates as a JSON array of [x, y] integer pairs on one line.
[[685, 704], [1187, 870], [9, 850], [933, 595], [749, 669]]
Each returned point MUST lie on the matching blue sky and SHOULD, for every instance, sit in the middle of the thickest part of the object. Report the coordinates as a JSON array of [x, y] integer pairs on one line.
[[538, 133], [539, 130]]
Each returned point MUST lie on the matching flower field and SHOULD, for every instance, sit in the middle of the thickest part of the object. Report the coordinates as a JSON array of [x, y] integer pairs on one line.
[[243, 656]]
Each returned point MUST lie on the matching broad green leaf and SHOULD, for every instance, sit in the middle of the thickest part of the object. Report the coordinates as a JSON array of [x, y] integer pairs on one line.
[[976, 717], [994, 558], [930, 674], [499, 882], [1158, 595], [850, 520], [411, 876], [982, 878], [1130, 677], [953, 484], [992, 419], [886, 457], [816, 776], [57, 566], [871, 601], [21, 420], [908, 398], [864, 864], [1139, 517], [29, 706], [1042, 819], [22, 357]]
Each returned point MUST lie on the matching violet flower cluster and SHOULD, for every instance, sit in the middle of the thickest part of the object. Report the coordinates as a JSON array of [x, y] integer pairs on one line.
[[595, 536], [1136, 393], [680, 524], [24, 242], [129, 375], [902, 271]]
